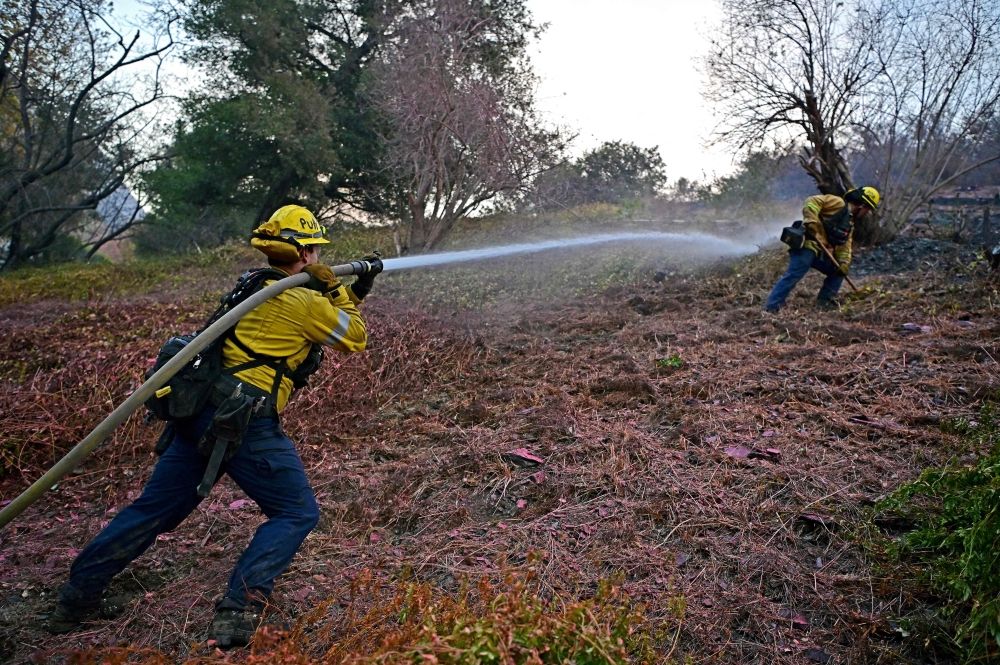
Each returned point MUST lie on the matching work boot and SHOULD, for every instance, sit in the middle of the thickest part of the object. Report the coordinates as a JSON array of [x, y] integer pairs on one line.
[[827, 304], [67, 618], [233, 625]]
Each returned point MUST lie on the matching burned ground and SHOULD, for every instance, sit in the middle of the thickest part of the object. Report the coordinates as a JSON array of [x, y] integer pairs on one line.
[[718, 463]]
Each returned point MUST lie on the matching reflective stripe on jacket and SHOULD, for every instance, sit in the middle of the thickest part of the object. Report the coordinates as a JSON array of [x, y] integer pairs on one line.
[[287, 324], [817, 209]]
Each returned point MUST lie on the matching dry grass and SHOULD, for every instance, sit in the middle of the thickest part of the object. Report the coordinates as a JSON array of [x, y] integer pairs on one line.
[[656, 474]]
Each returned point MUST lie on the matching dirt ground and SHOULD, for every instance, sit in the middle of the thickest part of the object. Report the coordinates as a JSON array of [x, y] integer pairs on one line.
[[719, 462]]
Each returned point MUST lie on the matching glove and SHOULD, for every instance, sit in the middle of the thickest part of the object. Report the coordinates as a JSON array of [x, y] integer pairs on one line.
[[321, 278], [374, 262], [843, 263], [366, 280]]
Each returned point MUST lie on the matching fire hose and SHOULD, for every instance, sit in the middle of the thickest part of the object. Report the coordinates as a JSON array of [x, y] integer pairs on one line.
[[75, 456]]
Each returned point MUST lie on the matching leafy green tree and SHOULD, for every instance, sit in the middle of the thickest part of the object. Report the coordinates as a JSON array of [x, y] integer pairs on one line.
[[278, 117], [762, 176], [411, 111], [616, 172], [234, 161]]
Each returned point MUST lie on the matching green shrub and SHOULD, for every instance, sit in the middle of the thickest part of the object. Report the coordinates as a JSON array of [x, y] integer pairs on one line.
[[482, 624], [75, 281], [516, 626], [673, 361], [956, 542]]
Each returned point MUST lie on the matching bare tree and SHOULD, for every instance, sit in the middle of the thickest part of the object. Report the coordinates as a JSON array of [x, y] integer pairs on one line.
[[793, 69], [930, 117], [910, 84], [76, 108], [456, 92]]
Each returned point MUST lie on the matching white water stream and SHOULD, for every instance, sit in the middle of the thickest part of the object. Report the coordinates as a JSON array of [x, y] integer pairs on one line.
[[689, 244]]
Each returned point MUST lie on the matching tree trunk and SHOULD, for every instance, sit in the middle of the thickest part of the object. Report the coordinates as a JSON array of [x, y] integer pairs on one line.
[[13, 248], [416, 236]]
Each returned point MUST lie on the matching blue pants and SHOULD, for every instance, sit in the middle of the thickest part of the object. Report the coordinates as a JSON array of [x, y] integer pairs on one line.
[[799, 263], [266, 467]]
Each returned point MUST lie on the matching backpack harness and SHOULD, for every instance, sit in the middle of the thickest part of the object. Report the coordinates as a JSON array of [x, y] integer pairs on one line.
[[205, 381], [838, 226]]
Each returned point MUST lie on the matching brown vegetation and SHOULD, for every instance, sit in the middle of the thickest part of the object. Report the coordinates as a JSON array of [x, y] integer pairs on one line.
[[717, 464]]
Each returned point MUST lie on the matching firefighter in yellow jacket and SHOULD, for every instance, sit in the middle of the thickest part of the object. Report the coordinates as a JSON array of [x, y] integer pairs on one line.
[[288, 333], [829, 222]]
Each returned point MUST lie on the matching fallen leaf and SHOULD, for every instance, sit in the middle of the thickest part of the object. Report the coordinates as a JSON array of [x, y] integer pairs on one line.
[[739, 452], [522, 457]]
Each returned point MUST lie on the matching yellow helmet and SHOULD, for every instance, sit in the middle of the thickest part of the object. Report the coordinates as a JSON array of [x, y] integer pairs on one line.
[[289, 229], [867, 196], [297, 224]]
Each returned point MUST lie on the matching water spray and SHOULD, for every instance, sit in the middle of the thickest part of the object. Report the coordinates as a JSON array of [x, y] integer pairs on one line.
[[720, 246], [72, 459]]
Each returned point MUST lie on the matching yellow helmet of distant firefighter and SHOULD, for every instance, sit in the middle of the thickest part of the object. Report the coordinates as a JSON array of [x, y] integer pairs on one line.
[[866, 196], [289, 229]]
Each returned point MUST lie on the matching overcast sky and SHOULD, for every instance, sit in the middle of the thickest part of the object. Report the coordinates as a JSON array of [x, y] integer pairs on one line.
[[626, 70]]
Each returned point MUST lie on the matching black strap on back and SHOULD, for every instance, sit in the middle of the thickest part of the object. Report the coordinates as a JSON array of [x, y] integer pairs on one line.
[[249, 283], [838, 226], [277, 363]]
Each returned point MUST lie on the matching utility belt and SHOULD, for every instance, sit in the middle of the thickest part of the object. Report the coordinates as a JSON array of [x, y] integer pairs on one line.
[[236, 404], [263, 403]]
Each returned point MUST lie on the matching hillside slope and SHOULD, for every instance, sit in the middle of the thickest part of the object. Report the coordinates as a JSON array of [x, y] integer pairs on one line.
[[716, 463]]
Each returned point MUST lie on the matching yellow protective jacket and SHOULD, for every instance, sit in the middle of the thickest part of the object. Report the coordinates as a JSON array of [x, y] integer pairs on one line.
[[286, 326], [820, 208]]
